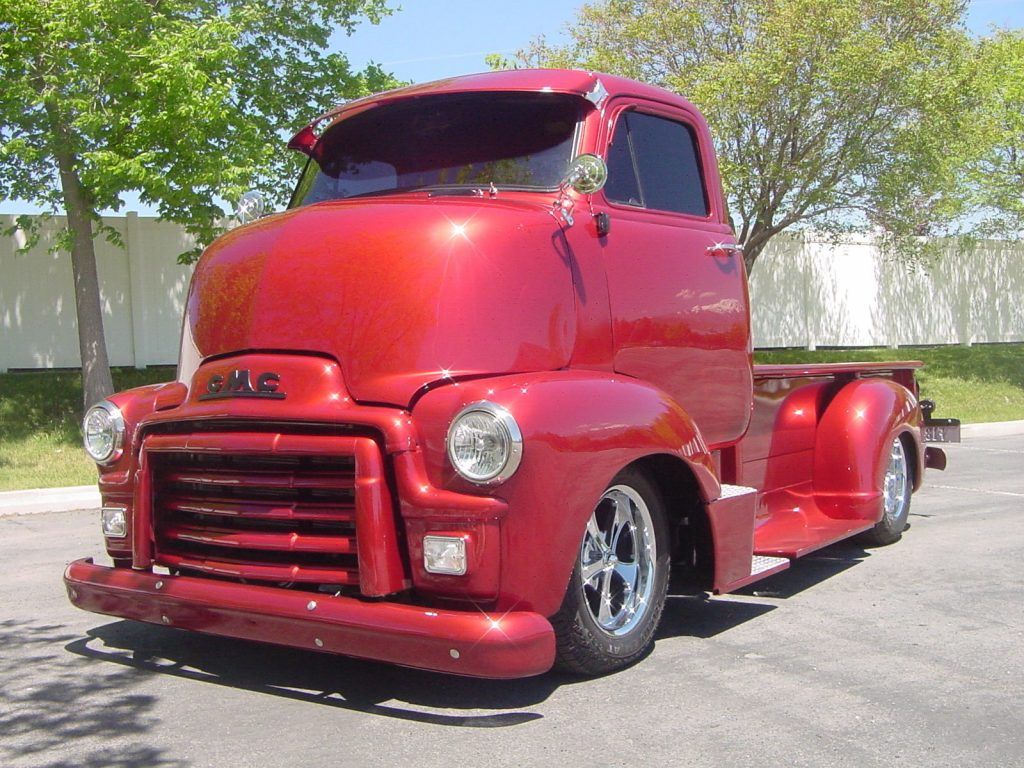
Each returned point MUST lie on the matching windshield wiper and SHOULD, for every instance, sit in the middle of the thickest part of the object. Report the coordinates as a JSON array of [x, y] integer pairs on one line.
[[462, 190]]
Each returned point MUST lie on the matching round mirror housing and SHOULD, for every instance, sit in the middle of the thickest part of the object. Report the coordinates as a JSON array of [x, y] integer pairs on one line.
[[251, 206], [587, 174]]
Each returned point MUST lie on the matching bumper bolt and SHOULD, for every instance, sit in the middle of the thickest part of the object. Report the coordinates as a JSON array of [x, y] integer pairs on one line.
[[454, 653], [319, 642], [165, 620], [311, 605], [159, 585]]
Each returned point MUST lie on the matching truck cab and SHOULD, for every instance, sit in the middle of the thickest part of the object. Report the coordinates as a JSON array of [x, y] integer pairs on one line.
[[479, 392]]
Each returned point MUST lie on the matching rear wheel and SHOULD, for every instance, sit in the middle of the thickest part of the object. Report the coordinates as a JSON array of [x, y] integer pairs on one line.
[[896, 490], [616, 593]]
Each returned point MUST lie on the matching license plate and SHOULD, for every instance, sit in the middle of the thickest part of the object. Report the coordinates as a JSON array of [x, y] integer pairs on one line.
[[942, 433]]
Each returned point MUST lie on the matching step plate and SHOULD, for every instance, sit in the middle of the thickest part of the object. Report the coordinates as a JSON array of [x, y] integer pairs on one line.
[[762, 563], [729, 491]]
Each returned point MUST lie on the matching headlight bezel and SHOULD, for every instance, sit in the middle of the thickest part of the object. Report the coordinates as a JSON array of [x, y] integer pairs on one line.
[[504, 421], [116, 421]]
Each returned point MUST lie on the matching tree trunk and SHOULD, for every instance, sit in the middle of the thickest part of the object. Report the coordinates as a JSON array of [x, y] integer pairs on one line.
[[752, 249], [96, 381]]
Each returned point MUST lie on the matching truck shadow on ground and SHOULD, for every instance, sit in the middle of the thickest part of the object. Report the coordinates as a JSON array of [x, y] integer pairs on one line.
[[407, 694], [808, 571], [704, 617]]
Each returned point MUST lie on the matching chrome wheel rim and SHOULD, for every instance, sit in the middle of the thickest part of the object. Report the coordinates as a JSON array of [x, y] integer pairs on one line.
[[617, 561], [895, 485]]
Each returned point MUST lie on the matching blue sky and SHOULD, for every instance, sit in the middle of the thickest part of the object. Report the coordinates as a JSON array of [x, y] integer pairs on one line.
[[431, 39]]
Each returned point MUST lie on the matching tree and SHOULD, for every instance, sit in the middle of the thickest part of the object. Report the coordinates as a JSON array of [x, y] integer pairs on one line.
[[184, 101], [842, 113], [997, 176]]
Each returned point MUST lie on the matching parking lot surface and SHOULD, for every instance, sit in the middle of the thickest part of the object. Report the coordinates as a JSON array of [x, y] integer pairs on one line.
[[907, 655]]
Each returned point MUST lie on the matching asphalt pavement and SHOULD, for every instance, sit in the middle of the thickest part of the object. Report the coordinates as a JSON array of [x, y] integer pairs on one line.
[[907, 655]]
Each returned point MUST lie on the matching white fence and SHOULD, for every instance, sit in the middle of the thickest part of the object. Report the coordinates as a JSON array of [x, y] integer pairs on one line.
[[805, 293], [811, 293], [142, 290]]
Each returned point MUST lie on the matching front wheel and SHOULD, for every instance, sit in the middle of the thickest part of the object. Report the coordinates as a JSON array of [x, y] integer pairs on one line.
[[616, 593], [896, 490]]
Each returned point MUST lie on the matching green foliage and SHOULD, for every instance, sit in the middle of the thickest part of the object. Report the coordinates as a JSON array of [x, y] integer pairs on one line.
[[40, 426], [998, 175], [844, 113], [187, 102]]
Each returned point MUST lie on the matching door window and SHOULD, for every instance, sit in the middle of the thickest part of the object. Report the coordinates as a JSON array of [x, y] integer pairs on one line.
[[653, 163]]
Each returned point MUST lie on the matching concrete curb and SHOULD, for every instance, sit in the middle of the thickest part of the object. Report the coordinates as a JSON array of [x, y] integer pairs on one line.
[[992, 429], [39, 500], [88, 496]]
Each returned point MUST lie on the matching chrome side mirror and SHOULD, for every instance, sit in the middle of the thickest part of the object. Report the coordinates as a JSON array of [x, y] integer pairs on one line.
[[587, 174], [251, 206]]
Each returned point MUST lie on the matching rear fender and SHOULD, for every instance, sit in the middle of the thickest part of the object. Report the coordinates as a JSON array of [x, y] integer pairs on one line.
[[851, 446], [579, 429]]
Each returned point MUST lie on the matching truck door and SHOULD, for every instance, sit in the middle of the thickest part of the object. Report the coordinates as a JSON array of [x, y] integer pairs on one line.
[[679, 306]]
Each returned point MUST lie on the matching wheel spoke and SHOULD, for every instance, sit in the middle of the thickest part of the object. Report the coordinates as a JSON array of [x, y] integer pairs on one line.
[[596, 535], [629, 573], [592, 570], [604, 611], [623, 521]]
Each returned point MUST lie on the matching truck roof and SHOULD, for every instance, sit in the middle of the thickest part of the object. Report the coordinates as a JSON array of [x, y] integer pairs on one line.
[[571, 81]]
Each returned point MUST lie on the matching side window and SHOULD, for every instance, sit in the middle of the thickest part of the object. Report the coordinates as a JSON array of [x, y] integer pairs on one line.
[[622, 186], [653, 163]]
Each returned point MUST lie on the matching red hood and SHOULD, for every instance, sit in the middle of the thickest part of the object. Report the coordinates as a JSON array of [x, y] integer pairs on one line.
[[401, 292]]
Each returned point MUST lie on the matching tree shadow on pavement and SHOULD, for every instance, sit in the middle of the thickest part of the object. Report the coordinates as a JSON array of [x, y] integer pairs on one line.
[[49, 705]]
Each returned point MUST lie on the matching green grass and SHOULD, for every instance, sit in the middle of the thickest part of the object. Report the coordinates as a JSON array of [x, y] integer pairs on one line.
[[40, 426], [974, 384], [40, 411]]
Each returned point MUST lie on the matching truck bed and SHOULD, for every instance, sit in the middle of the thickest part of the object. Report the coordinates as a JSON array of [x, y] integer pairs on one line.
[[777, 455]]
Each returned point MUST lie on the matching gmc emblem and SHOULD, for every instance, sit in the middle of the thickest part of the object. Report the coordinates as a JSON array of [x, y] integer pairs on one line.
[[239, 384]]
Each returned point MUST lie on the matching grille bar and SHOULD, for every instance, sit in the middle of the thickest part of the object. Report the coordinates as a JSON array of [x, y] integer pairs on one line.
[[309, 574], [257, 478], [262, 510], [280, 542]]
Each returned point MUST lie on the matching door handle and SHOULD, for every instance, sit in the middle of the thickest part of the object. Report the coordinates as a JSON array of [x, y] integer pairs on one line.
[[724, 249]]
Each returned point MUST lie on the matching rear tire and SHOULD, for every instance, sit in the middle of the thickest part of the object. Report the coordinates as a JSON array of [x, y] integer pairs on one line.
[[896, 490], [616, 593]]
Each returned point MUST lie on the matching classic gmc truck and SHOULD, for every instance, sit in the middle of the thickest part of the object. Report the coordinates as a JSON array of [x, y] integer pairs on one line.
[[481, 394]]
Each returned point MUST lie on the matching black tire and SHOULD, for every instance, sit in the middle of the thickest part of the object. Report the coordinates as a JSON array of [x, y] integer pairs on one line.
[[897, 486], [608, 620]]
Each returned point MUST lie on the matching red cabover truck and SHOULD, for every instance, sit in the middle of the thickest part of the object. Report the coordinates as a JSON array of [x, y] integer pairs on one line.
[[485, 385]]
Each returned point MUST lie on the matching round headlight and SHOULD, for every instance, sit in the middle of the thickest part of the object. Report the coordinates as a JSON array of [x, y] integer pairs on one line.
[[103, 432], [484, 443]]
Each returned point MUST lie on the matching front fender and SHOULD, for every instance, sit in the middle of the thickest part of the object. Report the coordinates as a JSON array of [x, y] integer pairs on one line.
[[579, 429], [851, 446]]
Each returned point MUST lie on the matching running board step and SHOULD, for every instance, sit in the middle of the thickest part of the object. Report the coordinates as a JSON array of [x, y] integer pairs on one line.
[[761, 566], [729, 491], [762, 563]]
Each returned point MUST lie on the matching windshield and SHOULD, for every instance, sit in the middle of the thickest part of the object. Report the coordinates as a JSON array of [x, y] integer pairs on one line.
[[471, 140]]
